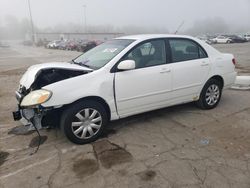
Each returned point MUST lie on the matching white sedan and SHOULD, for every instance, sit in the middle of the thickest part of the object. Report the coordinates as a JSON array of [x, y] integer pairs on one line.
[[222, 39], [120, 78]]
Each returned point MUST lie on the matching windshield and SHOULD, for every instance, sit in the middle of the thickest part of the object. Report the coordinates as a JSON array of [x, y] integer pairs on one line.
[[102, 54]]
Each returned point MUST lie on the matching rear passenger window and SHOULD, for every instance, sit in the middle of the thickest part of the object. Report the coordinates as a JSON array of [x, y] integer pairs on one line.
[[184, 50]]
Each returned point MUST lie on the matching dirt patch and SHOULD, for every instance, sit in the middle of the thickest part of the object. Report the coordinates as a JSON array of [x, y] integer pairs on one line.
[[242, 69], [230, 133], [147, 175], [102, 146], [13, 72], [35, 141], [108, 132], [3, 94], [3, 157], [114, 157], [85, 167], [20, 130], [111, 154]]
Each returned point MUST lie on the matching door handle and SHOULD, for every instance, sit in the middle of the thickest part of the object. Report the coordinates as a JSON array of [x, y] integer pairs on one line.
[[165, 71], [204, 63]]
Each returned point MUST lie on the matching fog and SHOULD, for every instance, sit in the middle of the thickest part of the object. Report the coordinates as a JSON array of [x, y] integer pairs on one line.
[[128, 17]]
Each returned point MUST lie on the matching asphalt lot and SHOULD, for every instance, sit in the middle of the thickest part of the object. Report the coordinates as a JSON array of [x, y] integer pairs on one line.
[[175, 147]]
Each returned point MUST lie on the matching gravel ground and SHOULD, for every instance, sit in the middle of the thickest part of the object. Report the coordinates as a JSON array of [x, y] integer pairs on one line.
[[180, 146]]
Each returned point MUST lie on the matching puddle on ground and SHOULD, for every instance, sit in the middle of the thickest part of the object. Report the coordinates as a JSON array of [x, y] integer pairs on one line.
[[3, 157], [20, 130], [85, 167], [35, 141], [110, 154], [147, 175]]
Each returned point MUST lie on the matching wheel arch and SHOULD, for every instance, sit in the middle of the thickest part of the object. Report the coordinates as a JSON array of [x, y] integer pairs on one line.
[[218, 78], [94, 98]]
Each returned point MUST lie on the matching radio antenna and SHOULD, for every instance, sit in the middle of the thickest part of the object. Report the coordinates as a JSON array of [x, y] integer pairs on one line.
[[177, 30]]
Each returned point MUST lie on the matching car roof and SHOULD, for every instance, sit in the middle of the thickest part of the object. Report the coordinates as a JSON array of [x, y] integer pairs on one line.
[[152, 36]]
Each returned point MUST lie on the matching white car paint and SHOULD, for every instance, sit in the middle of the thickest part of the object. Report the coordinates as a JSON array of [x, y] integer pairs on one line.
[[222, 39], [30, 75], [139, 90], [132, 88]]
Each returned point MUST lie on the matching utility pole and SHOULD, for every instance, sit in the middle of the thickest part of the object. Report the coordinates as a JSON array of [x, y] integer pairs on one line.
[[32, 25], [85, 18]]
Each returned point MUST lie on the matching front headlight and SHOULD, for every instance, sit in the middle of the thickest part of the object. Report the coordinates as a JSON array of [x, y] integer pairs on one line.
[[36, 97]]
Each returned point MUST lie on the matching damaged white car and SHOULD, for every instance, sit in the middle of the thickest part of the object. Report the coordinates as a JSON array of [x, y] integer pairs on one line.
[[120, 78]]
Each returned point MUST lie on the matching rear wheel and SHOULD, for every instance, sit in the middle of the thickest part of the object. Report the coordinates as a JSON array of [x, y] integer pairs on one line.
[[84, 122], [210, 95]]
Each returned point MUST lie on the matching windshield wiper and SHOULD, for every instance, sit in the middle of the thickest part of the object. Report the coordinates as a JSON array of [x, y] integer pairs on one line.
[[85, 65], [82, 64]]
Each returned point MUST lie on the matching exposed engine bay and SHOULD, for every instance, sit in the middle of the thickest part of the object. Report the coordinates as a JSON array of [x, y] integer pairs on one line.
[[50, 76], [38, 115]]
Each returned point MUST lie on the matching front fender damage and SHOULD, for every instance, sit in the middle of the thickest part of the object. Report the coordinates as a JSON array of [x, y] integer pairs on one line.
[[40, 116]]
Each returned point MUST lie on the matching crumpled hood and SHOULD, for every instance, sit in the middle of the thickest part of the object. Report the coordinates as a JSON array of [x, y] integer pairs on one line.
[[30, 75]]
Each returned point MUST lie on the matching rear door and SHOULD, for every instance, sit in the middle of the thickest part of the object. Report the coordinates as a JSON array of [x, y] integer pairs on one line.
[[190, 67]]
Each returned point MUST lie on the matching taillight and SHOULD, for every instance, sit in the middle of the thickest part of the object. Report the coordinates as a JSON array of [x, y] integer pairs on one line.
[[234, 61]]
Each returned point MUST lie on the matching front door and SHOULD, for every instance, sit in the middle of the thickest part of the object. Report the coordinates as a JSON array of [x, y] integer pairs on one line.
[[148, 86]]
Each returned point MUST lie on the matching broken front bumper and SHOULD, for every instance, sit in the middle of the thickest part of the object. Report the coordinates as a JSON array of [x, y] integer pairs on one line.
[[27, 116], [17, 115]]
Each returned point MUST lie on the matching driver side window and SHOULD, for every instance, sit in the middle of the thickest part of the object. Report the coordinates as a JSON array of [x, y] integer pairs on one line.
[[148, 54]]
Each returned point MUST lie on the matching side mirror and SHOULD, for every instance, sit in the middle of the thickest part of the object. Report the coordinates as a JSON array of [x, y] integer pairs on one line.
[[126, 65]]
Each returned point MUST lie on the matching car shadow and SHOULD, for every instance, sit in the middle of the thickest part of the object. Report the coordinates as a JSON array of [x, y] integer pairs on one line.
[[118, 125]]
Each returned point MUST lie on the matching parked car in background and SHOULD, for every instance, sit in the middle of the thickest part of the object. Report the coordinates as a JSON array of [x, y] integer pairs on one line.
[[206, 39], [42, 42], [53, 44], [86, 45], [98, 42], [63, 45], [247, 37], [71, 45], [123, 77], [222, 39], [236, 39]]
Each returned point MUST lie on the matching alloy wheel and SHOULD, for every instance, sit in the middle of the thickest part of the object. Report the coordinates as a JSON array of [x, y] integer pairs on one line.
[[86, 123], [212, 94]]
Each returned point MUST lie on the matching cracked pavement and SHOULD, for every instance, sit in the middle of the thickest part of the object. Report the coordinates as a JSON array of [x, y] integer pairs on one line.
[[179, 146]]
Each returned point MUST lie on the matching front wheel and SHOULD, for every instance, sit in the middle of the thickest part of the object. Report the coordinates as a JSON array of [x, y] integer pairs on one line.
[[84, 122], [210, 95]]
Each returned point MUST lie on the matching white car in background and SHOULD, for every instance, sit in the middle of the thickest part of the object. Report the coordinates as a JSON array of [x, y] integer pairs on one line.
[[222, 39], [247, 37], [53, 44], [123, 77]]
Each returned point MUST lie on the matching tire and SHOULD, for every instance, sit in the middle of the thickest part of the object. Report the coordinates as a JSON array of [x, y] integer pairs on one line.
[[84, 122], [228, 42], [213, 90]]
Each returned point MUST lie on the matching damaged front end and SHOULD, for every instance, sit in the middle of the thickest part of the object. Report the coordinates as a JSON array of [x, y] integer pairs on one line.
[[30, 111], [31, 95]]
